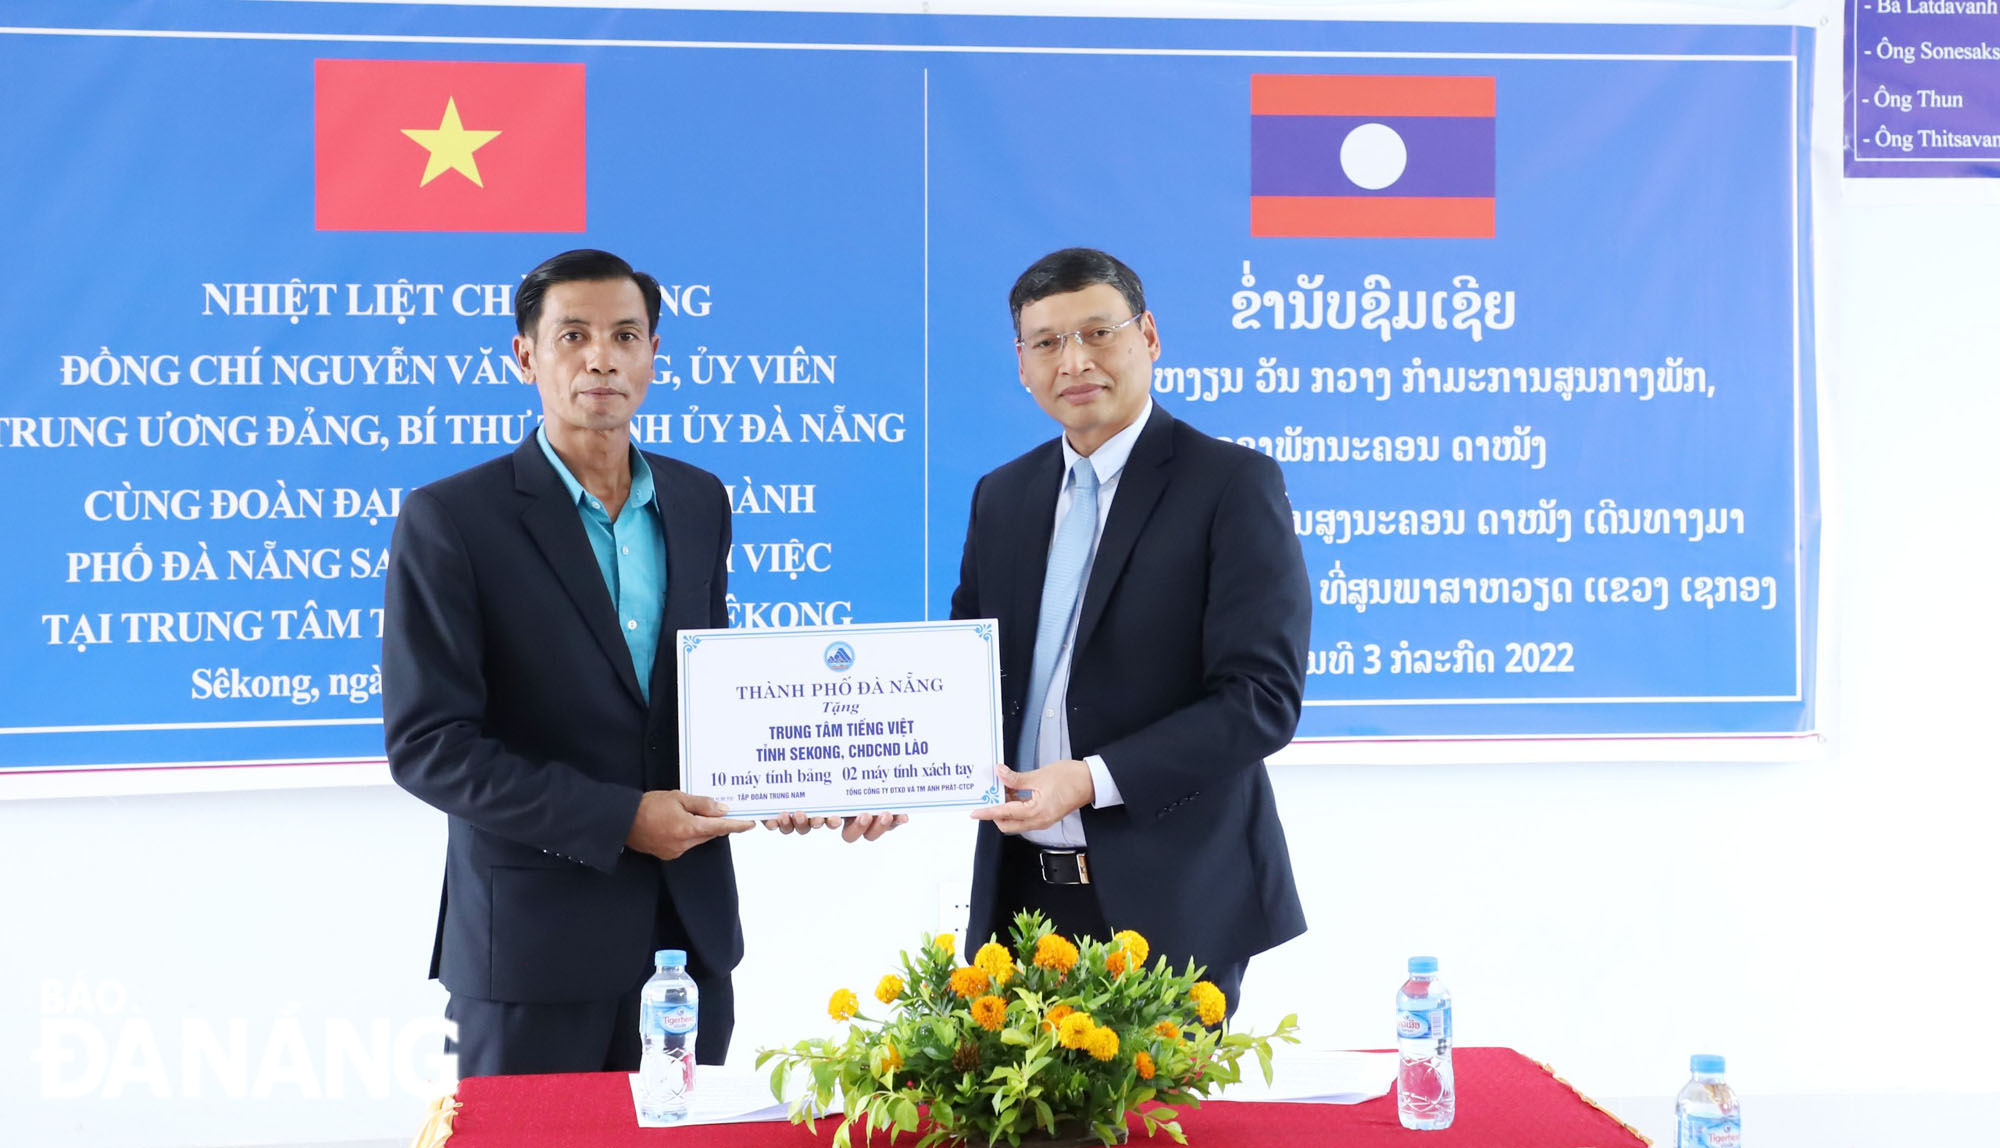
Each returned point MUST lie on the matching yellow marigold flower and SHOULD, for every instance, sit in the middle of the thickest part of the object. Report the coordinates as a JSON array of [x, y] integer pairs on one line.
[[1103, 1043], [1055, 953], [892, 1057], [1114, 962], [1144, 1063], [1075, 1030], [889, 988], [1056, 1016], [1169, 1030], [1209, 1003], [990, 1012], [843, 1004], [945, 944], [1134, 944], [968, 982], [996, 962]]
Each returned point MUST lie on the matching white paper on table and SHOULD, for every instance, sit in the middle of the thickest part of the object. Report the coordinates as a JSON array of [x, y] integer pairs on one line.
[[1308, 1076], [720, 1097]]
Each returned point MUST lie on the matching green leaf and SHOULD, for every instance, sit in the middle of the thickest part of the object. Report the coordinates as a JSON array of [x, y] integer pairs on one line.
[[1264, 1061], [777, 1078], [906, 1114], [1044, 1117], [1015, 1037]]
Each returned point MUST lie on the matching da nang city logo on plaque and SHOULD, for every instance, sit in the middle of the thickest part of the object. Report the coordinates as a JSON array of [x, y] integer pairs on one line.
[[840, 657]]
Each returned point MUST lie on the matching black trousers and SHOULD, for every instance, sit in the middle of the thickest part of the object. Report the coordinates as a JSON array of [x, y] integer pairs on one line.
[[503, 1038], [1075, 911]]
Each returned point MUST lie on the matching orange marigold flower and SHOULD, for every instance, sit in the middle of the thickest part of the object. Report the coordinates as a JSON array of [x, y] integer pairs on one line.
[[843, 1004], [1134, 944], [892, 1057], [996, 962], [1055, 953], [1144, 1063], [945, 944], [889, 988], [1075, 1030], [990, 1012], [1103, 1043], [1209, 1003], [1056, 1016], [1114, 962], [968, 982], [1169, 1030]]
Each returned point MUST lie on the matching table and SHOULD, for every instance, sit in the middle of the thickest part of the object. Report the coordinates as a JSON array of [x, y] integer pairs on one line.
[[1505, 1100]]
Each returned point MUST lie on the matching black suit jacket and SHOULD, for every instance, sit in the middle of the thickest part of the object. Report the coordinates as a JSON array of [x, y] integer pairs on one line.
[[1188, 666], [509, 702]]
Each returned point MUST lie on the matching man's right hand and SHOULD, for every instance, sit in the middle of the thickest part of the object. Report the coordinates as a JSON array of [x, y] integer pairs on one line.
[[669, 823]]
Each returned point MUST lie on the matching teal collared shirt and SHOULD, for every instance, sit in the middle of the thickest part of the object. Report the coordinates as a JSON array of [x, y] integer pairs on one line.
[[631, 554]]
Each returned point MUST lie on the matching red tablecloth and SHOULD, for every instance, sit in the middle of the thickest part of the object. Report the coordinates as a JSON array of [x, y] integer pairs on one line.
[[1505, 1100]]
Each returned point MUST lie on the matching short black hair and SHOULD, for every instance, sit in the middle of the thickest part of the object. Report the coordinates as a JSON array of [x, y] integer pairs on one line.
[[1073, 269], [585, 264]]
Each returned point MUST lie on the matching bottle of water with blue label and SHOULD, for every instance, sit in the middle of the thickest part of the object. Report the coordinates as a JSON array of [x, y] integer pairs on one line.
[[1705, 1113], [667, 1016], [1425, 1100]]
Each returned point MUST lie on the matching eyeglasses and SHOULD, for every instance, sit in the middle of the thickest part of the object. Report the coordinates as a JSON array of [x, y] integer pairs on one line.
[[1050, 346]]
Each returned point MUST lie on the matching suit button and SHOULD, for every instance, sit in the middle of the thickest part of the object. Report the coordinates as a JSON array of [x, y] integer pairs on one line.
[[652, 747]]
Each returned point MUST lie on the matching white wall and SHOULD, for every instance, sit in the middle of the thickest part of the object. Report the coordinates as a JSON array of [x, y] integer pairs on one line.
[[1813, 921]]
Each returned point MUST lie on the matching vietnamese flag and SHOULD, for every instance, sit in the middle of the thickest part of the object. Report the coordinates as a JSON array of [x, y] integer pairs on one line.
[[1372, 156], [418, 145]]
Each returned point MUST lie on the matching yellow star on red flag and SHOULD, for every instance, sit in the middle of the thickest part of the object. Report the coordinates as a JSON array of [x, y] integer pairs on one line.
[[451, 145]]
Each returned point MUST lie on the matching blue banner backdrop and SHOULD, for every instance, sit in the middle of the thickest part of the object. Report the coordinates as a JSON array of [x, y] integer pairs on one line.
[[1556, 481]]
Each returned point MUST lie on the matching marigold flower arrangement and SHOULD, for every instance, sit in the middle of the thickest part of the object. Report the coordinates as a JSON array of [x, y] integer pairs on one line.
[[1051, 1037]]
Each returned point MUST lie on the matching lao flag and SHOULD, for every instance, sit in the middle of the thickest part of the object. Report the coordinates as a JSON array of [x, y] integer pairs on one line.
[[1372, 156], [414, 145]]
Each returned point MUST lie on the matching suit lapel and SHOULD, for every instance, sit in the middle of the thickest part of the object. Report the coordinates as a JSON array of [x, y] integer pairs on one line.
[[1031, 554], [683, 525], [1140, 485], [551, 519]]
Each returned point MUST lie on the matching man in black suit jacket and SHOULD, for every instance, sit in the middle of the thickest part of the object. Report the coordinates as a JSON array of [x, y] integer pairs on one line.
[[1145, 703], [518, 698]]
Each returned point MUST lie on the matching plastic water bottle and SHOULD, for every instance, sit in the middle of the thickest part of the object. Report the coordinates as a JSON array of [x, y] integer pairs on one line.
[[1705, 1113], [1424, 1097], [667, 1018]]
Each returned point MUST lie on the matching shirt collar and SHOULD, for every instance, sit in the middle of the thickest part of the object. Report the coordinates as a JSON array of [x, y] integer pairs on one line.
[[1109, 460], [642, 475]]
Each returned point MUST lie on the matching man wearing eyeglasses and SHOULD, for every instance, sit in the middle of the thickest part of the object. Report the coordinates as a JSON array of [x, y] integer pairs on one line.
[[1154, 611]]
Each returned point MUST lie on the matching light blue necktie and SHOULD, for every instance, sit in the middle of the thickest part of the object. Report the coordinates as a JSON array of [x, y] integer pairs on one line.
[[1067, 558]]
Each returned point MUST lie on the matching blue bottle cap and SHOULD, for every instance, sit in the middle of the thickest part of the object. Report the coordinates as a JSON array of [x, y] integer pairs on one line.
[[1706, 1062], [1423, 965], [670, 958]]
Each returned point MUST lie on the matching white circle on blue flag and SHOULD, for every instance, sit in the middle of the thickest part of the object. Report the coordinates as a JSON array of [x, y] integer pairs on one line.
[[1373, 156]]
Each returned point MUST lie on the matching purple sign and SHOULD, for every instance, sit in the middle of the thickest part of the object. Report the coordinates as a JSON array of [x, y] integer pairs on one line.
[[1923, 88]]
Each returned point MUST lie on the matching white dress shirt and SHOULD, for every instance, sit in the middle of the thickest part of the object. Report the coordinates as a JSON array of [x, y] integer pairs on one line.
[[1053, 742]]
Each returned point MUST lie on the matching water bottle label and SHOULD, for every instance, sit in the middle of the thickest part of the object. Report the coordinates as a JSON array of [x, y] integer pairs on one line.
[[1710, 1132], [1424, 1024], [674, 1019]]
